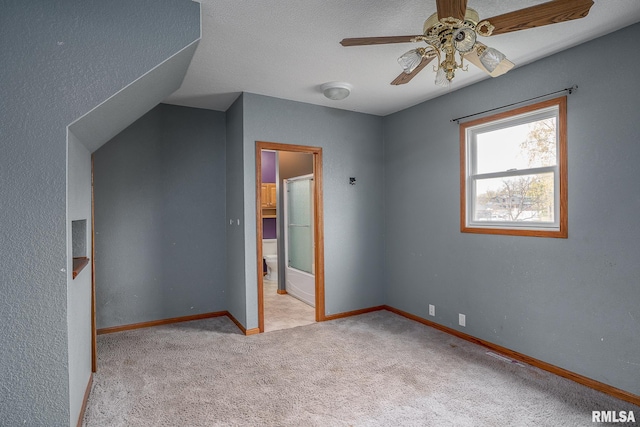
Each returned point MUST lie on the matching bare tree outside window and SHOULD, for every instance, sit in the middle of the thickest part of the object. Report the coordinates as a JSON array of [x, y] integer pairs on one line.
[[528, 197]]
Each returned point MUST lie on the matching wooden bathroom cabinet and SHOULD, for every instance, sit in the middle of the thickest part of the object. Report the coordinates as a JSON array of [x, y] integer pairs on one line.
[[269, 200]]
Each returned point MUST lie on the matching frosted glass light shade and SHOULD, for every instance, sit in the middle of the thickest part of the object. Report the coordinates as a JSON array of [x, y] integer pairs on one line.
[[410, 60], [441, 78], [336, 90], [464, 39], [491, 58]]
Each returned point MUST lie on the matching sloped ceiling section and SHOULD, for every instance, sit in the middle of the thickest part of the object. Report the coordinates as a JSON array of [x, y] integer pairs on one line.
[[129, 104]]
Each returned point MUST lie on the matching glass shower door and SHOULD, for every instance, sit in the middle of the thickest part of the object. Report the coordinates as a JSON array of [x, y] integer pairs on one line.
[[300, 224]]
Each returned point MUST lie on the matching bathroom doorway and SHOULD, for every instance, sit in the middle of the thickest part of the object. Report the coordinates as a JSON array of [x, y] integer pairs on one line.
[[283, 309]]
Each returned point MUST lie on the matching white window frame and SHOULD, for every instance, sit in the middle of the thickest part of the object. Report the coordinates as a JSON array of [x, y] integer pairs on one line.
[[468, 167]]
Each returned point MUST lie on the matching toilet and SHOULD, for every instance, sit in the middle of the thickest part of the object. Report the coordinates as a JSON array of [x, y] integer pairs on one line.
[[270, 255]]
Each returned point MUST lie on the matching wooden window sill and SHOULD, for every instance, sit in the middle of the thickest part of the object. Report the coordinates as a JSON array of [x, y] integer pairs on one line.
[[78, 264]]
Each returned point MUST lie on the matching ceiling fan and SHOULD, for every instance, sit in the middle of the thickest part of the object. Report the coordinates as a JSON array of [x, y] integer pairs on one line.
[[454, 29]]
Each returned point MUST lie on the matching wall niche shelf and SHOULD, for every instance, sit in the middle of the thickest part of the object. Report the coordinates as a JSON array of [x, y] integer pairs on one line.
[[78, 264], [79, 246]]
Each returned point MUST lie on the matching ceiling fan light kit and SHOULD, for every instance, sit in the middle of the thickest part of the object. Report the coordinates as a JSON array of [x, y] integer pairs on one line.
[[490, 58], [451, 36], [336, 91], [442, 78], [410, 60], [464, 39]]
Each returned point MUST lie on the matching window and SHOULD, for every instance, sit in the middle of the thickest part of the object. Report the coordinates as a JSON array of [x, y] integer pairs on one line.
[[513, 172]]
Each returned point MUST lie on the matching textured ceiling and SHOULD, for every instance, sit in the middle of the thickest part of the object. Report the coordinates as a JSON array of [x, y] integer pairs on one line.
[[287, 49]]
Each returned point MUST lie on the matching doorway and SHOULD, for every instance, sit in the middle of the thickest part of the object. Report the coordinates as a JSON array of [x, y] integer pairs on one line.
[[317, 227]]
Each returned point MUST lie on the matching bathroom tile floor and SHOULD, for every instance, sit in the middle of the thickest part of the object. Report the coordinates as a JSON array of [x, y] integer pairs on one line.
[[284, 311]]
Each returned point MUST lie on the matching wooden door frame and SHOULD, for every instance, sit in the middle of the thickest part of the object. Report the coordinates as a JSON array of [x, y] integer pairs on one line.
[[317, 218]]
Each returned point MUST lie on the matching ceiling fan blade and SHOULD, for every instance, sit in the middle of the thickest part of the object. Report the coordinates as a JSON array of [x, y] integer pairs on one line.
[[406, 78], [543, 14], [366, 41], [451, 8]]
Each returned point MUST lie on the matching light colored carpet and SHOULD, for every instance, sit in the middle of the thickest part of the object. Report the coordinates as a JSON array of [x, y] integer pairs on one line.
[[377, 369], [282, 311]]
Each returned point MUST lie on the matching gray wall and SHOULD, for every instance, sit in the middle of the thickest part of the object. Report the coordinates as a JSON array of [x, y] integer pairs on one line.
[[60, 60], [78, 289], [353, 215], [236, 287], [160, 218], [574, 302]]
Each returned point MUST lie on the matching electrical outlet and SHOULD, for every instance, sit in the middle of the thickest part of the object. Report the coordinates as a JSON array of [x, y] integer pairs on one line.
[[462, 319], [432, 310]]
